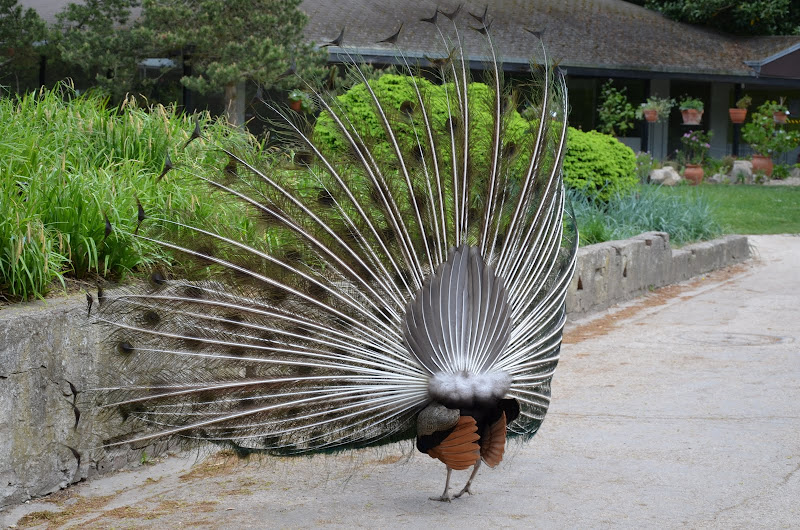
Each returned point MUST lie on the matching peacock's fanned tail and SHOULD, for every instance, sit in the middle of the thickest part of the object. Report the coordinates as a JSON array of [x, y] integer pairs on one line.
[[301, 343]]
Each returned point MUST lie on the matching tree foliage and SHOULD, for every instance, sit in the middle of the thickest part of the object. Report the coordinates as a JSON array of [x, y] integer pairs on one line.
[[234, 41], [99, 37], [755, 17], [19, 29]]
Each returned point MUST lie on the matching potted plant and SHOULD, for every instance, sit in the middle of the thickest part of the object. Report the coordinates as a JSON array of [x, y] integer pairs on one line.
[[655, 108], [299, 101], [739, 113], [695, 147], [691, 110], [779, 111], [766, 138]]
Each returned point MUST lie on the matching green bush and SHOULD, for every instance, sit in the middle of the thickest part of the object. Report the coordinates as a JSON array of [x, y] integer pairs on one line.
[[598, 165], [398, 98]]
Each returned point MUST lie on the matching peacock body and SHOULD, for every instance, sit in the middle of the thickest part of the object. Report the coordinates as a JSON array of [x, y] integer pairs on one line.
[[411, 281]]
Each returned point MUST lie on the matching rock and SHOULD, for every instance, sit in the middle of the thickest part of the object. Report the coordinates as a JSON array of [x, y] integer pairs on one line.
[[718, 178], [742, 171], [666, 176], [795, 173], [791, 181]]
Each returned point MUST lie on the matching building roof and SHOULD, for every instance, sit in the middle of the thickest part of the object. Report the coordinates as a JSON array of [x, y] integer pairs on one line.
[[592, 37], [584, 36]]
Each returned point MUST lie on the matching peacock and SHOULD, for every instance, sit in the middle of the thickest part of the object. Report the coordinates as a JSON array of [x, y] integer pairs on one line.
[[409, 281]]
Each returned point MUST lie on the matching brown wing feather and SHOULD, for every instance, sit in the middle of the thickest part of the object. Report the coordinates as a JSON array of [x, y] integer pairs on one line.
[[460, 449], [493, 444]]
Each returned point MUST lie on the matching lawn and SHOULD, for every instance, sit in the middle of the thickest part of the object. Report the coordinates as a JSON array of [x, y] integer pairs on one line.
[[750, 209]]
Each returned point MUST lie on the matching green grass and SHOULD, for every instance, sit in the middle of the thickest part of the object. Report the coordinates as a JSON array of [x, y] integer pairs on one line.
[[749, 209], [68, 161]]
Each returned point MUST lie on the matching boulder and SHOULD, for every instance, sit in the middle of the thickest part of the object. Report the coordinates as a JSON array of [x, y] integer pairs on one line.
[[719, 178], [666, 176], [742, 171]]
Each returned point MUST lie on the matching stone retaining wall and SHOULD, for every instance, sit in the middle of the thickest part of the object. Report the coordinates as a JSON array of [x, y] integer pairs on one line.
[[615, 271], [48, 352]]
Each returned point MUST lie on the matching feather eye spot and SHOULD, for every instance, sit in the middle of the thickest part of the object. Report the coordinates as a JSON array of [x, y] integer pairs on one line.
[[509, 150], [324, 198], [303, 158], [451, 124], [193, 291], [125, 348], [151, 317], [158, 278], [407, 108]]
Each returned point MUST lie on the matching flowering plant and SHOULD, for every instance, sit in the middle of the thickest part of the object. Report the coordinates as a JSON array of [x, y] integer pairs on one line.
[[696, 145]]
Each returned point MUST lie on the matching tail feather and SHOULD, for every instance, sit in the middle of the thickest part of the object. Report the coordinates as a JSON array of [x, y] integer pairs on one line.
[[300, 345]]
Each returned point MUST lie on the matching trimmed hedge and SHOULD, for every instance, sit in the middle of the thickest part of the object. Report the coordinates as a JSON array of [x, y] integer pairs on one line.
[[598, 165]]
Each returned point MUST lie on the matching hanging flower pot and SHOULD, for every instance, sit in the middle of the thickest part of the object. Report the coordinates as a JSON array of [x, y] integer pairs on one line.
[[692, 116], [779, 117], [737, 115], [693, 173], [651, 115], [762, 163], [296, 105]]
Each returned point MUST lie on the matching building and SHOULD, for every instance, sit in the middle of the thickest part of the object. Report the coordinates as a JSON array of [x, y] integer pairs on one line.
[[593, 40]]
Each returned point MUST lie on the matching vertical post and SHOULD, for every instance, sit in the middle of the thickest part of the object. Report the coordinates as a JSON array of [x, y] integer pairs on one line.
[[737, 94]]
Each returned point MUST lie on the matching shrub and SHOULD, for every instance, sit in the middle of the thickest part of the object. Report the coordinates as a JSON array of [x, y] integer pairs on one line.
[[598, 165]]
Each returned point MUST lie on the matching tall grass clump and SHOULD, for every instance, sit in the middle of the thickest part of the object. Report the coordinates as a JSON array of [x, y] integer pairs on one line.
[[686, 218], [66, 162]]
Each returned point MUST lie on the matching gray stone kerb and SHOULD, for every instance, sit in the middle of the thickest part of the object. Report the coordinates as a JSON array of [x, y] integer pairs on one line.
[[49, 348]]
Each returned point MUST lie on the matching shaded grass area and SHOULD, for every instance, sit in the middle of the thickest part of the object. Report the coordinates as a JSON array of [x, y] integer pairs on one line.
[[749, 209]]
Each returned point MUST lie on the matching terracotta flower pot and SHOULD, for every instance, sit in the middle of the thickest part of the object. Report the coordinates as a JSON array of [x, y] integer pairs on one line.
[[693, 173], [296, 105], [779, 117], [737, 115], [692, 116], [762, 163], [651, 115]]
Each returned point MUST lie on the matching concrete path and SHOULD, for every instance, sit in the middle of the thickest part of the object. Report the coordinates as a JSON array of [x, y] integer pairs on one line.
[[681, 409]]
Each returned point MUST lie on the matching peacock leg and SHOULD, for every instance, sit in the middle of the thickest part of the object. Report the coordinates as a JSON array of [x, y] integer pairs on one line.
[[469, 482], [445, 497]]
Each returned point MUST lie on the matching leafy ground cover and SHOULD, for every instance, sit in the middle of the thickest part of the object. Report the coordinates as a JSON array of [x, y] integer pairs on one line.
[[686, 217]]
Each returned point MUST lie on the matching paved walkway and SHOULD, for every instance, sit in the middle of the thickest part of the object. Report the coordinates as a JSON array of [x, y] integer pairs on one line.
[[681, 409]]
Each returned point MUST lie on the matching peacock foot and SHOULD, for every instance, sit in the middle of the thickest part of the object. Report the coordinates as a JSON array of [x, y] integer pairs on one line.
[[442, 498], [466, 489]]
